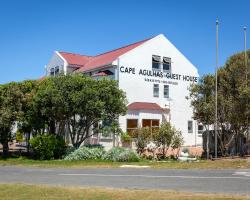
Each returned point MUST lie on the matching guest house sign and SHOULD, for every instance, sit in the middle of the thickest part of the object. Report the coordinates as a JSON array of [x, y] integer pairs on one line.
[[158, 74]]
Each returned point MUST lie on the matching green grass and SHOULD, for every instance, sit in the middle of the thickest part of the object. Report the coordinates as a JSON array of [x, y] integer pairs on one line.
[[42, 192], [202, 164]]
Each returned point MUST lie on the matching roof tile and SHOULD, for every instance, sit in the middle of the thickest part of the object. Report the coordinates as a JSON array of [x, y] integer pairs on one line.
[[144, 106]]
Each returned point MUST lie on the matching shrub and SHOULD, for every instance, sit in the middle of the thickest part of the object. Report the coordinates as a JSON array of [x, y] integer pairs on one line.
[[94, 146], [60, 147], [19, 136], [125, 137], [85, 153], [142, 137], [119, 154], [69, 150], [167, 136], [46, 147]]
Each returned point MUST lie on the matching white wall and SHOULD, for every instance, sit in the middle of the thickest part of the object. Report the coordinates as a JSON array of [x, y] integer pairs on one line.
[[55, 61], [139, 90]]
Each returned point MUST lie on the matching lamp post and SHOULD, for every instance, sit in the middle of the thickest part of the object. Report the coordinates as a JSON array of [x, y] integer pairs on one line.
[[216, 93]]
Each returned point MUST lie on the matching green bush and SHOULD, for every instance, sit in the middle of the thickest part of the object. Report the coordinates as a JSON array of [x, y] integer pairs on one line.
[[86, 153], [125, 137], [46, 147], [94, 146], [19, 136], [119, 154], [69, 150]]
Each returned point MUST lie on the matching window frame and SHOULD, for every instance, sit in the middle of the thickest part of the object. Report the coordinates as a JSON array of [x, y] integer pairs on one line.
[[52, 71], [151, 124], [191, 129], [57, 70], [200, 131], [158, 91], [165, 61], [164, 88], [156, 60], [134, 128]]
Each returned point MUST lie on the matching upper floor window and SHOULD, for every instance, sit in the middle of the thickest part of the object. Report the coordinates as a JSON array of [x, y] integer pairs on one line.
[[52, 71], [56, 70], [166, 91], [190, 126], [166, 64], [156, 62], [156, 90]]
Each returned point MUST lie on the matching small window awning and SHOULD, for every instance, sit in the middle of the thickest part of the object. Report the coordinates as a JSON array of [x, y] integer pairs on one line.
[[156, 58], [146, 106], [166, 60]]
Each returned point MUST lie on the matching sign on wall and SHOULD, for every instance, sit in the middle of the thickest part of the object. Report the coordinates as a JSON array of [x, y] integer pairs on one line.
[[150, 74]]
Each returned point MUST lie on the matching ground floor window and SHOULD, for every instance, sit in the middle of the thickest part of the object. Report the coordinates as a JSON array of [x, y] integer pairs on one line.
[[132, 125], [190, 126], [153, 124], [95, 130]]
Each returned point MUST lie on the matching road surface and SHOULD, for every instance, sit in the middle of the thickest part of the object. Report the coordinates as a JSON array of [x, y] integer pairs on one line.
[[209, 181]]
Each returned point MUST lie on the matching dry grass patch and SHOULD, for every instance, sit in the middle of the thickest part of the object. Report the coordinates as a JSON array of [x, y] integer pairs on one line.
[[42, 192]]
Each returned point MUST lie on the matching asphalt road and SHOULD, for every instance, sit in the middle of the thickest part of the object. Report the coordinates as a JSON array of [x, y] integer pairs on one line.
[[211, 181]]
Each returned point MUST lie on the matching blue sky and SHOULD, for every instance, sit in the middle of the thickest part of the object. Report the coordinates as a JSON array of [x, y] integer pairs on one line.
[[31, 30]]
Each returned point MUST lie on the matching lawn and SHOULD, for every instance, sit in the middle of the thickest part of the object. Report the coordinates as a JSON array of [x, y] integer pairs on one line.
[[42, 192], [202, 164]]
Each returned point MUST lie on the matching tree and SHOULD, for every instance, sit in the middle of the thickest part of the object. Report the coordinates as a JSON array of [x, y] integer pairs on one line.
[[202, 101], [28, 121], [234, 106], [167, 136], [77, 103], [10, 106], [233, 103]]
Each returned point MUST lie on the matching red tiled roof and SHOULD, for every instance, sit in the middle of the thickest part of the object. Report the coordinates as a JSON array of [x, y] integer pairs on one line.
[[103, 73], [42, 78], [109, 57], [100, 74], [144, 106], [86, 63], [75, 60]]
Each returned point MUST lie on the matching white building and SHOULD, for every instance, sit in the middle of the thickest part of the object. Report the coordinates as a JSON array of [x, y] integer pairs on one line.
[[155, 76]]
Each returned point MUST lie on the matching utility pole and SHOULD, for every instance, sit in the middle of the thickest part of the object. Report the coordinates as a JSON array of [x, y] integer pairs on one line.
[[245, 47], [245, 51], [216, 94]]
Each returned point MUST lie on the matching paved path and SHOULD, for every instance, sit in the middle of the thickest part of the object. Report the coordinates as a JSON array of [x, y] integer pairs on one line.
[[211, 181]]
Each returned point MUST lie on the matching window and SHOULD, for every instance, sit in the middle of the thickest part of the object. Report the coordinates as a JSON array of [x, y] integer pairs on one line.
[[156, 61], [153, 124], [156, 90], [190, 126], [166, 64], [200, 129], [52, 71], [166, 91], [56, 70], [95, 130], [106, 129], [132, 125]]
